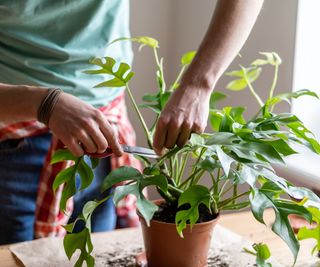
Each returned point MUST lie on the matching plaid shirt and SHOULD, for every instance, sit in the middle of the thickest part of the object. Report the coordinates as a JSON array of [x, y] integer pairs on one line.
[[48, 218]]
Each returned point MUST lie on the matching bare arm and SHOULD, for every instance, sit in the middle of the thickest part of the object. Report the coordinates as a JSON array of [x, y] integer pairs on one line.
[[72, 121], [188, 108]]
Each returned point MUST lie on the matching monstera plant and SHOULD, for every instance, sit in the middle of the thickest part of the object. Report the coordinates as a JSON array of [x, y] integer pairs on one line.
[[237, 152]]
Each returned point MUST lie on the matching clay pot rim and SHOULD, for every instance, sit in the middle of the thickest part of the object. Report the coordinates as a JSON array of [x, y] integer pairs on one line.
[[158, 201]]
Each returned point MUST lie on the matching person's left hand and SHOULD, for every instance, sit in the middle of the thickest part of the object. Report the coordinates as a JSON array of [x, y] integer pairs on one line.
[[186, 112]]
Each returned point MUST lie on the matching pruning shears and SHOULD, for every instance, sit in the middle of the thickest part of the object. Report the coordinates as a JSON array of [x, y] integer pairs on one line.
[[137, 150]]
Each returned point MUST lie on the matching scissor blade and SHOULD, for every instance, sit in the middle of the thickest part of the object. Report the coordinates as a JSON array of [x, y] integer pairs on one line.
[[141, 151]]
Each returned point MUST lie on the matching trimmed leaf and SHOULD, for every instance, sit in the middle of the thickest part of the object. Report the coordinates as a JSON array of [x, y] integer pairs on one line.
[[194, 196]]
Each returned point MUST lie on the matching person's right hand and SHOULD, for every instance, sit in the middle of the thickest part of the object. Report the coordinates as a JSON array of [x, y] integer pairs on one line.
[[82, 127]]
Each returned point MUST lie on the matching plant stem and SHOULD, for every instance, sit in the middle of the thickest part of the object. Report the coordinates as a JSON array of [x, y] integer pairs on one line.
[[223, 186], [216, 183], [257, 97], [227, 190], [227, 201], [275, 79], [197, 179], [178, 78], [160, 69], [144, 126], [183, 166], [189, 178]]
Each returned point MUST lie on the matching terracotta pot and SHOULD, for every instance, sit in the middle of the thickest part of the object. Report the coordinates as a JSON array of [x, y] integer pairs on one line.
[[165, 248]]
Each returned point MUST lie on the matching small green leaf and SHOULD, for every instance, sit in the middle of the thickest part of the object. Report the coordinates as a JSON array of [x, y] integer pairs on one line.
[[187, 58], [150, 98], [262, 253], [121, 76], [81, 241], [209, 164], [215, 98], [124, 173], [143, 40], [63, 176], [86, 174], [194, 196], [239, 84], [272, 58], [154, 107], [62, 155]]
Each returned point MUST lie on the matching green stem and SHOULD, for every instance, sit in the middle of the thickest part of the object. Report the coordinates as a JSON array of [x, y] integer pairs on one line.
[[178, 78], [144, 126], [227, 190], [231, 199], [189, 178], [197, 178], [174, 190], [160, 68], [183, 166], [257, 97], [274, 83], [223, 186], [216, 183]]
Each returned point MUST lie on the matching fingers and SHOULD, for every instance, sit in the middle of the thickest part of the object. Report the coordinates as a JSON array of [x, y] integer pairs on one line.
[[74, 146], [100, 140], [87, 142], [110, 135], [184, 135], [172, 134], [160, 136]]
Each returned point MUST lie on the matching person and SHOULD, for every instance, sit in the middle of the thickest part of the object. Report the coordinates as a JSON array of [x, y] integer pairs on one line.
[[45, 45]]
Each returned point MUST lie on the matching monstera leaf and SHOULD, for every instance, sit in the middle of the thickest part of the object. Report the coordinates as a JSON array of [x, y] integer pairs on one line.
[[125, 173], [121, 76], [194, 196]]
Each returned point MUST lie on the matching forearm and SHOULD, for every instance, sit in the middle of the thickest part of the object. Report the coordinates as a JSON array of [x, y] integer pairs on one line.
[[229, 28], [20, 102]]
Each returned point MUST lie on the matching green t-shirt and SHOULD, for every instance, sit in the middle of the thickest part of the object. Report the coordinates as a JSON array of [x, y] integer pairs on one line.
[[49, 43]]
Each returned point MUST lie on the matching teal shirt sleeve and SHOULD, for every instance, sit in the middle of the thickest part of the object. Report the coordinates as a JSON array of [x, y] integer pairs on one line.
[[49, 43]]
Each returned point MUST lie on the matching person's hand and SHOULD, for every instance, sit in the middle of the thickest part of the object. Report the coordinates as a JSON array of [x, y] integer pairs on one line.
[[186, 112], [82, 127]]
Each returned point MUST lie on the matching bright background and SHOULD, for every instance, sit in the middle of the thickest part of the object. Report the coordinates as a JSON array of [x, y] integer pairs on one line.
[[288, 27]]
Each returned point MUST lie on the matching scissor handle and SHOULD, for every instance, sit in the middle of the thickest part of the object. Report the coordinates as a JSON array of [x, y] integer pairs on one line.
[[105, 154]]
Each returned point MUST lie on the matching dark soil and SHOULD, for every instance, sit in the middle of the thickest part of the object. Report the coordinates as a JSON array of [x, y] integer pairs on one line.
[[122, 259], [168, 211]]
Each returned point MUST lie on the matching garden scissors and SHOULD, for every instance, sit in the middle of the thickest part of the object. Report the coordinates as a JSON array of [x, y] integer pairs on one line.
[[137, 150]]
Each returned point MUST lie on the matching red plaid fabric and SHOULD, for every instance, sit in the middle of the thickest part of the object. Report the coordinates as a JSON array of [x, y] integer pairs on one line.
[[49, 219]]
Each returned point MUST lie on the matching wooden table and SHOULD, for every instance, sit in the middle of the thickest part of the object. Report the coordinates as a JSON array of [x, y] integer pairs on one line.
[[242, 223]]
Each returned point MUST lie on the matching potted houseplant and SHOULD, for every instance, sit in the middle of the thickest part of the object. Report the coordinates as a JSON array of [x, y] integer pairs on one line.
[[237, 152]]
